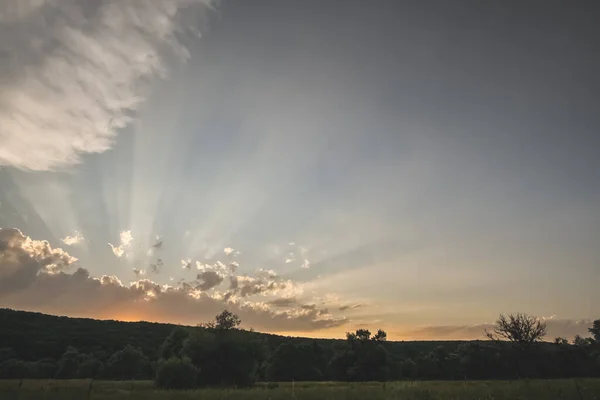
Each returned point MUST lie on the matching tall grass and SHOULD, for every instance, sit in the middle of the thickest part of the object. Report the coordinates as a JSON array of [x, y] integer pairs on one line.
[[582, 389]]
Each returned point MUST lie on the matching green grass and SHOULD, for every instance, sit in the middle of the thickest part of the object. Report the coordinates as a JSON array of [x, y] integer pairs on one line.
[[567, 389]]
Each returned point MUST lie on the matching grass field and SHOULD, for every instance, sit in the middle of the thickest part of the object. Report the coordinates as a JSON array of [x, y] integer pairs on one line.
[[581, 389]]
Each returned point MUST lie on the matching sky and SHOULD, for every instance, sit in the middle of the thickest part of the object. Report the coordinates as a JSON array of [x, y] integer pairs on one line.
[[313, 166]]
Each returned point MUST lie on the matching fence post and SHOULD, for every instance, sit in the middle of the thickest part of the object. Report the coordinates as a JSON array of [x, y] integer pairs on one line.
[[89, 396]]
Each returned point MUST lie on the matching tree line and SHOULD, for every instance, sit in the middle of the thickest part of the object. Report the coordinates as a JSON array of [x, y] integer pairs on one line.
[[219, 353]]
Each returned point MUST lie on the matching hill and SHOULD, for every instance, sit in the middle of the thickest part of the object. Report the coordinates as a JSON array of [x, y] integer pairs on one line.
[[34, 336], [35, 345]]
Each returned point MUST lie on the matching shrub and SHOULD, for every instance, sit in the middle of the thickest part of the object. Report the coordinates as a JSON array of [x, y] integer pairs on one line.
[[176, 373], [127, 364]]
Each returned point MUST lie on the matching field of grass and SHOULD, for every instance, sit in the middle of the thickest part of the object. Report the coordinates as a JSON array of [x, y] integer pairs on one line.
[[581, 389]]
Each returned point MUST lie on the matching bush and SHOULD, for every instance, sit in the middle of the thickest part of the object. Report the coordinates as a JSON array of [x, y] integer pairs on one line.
[[176, 373], [127, 364]]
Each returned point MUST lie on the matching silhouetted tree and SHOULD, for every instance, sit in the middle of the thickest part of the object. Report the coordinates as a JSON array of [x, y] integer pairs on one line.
[[522, 330], [127, 364], [595, 330], [68, 364], [380, 336], [173, 344], [519, 328], [226, 320], [362, 358], [89, 368], [223, 354], [176, 373], [561, 340], [582, 342], [299, 362]]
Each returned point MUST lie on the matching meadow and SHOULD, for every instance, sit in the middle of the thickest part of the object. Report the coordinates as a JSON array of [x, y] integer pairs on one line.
[[564, 389]]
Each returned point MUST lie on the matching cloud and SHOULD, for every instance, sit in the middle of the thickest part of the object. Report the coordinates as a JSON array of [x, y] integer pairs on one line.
[[186, 264], [125, 242], [126, 238], [306, 264], [229, 251], [33, 276], [22, 259], [266, 273], [347, 307], [284, 302], [209, 280], [211, 275], [73, 240], [158, 244], [156, 267], [117, 251], [139, 272], [246, 286], [556, 327], [217, 267], [73, 72], [289, 260]]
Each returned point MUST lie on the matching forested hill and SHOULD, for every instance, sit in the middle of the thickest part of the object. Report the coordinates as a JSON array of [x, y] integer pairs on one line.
[[34, 336], [34, 345]]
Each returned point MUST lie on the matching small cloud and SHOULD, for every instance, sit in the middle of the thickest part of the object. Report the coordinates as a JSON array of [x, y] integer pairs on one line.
[[157, 266], [158, 244], [234, 266], [283, 302], [125, 242], [139, 272], [218, 268], [117, 251], [210, 279], [348, 307], [72, 240], [186, 264], [228, 251], [289, 260], [292, 243], [266, 273], [126, 238], [306, 264]]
